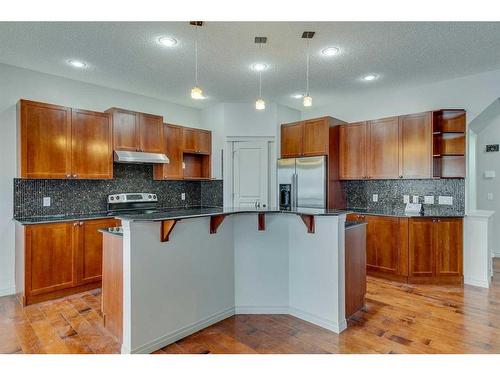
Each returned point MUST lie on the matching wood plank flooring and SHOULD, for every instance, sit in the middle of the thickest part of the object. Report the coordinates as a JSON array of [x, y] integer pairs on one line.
[[397, 319]]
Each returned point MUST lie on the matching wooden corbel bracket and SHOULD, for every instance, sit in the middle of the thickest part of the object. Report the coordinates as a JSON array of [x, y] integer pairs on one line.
[[262, 221], [215, 222], [309, 222], [166, 228]]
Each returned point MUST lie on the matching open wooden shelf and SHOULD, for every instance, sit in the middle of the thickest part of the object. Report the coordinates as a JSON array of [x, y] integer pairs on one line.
[[196, 166], [449, 143]]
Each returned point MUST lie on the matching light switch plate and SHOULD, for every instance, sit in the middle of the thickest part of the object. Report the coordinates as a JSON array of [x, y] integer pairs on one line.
[[445, 200], [406, 199], [415, 199], [429, 199], [46, 201], [375, 197], [183, 196]]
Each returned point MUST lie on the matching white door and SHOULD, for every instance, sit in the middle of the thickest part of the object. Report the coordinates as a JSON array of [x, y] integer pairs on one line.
[[250, 174]]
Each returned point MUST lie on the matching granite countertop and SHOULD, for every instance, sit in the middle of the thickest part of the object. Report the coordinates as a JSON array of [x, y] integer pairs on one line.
[[213, 211], [174, 213], [399, 212]]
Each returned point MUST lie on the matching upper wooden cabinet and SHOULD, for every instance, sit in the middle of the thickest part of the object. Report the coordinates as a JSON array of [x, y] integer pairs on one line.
[[173, 144], [135, 131], [197, 141], [306, 138], [352, 157], [383, 148], [189, 151], [291, 140], [396, 147], [60, 142], [415, 133]]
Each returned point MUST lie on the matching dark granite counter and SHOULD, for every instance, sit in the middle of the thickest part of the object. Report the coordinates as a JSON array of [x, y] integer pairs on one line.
[[213, 211], [173, 213], [435, 212]]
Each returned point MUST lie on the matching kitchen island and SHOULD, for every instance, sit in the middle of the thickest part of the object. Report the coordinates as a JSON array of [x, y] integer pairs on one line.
[[187, 269]]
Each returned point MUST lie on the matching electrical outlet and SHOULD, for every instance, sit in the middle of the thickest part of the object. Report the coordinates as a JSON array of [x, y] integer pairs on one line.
[[406, 199], [375, 197], [490, 196], [415, 199], [445, 200], [183, 196], [429, 199], [46, 201]]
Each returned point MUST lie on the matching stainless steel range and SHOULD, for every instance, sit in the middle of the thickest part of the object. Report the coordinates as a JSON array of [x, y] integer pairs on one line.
[[136, 203]]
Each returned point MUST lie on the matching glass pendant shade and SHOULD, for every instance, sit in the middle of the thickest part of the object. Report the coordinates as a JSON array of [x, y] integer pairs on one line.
[[308, 101], [260, 104], [196, 93]]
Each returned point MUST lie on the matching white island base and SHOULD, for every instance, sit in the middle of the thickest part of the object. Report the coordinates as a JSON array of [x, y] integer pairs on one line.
[[195, 279]]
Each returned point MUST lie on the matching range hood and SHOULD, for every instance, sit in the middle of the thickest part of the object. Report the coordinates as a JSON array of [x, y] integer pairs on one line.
[[133, 157]]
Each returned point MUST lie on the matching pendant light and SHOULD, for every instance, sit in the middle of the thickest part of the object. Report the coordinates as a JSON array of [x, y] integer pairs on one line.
[[307, 100], [260, 104], [196, 91]]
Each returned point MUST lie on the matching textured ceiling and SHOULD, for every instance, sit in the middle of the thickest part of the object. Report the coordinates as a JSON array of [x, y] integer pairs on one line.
[[126, 56]]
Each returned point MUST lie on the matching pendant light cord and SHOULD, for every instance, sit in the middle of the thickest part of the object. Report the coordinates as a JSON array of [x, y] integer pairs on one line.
[[307, 68], [196, 56], [260, 75]]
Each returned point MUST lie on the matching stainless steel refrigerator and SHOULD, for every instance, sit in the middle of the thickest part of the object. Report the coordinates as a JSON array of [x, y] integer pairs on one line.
[[302, 182]]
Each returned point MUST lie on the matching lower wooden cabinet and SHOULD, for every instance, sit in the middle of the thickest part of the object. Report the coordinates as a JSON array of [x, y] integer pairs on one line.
[[58, 259], [414, 250], [436, 250], [355, 269]]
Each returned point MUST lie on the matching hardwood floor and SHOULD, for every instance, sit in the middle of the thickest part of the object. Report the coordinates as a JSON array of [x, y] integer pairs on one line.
[[397, 319]]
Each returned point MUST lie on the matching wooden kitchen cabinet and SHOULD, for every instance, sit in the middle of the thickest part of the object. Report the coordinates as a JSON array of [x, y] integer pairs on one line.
[[58, 259], [62, 143], [44, 140], [92, 145], [135, 131], [415, 144], [172, 141], [355, 269], [383, 148], [306, 138], [436, 250], [353, 149], [197, 141]]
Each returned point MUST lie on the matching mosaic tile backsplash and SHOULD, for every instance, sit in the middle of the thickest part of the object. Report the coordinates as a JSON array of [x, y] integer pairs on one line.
[[70, 197], [390, 193]]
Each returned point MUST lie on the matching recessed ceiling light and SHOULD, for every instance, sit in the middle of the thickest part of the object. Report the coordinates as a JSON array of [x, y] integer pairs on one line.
[[297, 96], [259, 67], [77, 64], [330, 51], [370, 77], [167, 41]]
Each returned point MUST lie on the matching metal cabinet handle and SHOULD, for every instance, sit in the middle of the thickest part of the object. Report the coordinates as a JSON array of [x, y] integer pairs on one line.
[[80, 223], [75, 176], [75, 224], [68, 176]]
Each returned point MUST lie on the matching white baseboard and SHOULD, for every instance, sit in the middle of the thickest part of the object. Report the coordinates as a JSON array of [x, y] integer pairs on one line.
[[261, 310], [475, 282], [7, 291], [325, 323], [171, 337]]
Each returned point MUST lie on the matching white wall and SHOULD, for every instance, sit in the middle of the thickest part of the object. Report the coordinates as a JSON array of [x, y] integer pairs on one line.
[[17, 83]]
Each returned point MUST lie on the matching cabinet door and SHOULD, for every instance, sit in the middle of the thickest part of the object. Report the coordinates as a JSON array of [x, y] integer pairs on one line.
[[352, 156], [92, 148], [89, 253], [151, 133], [204, 141], [45, 140], [421, 248], [448, 242], [316, 138], [383, 243], [291, 140], [172, 140], [415, 133], [383, 149], [190, 140], [50, 258], [125, 130]]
